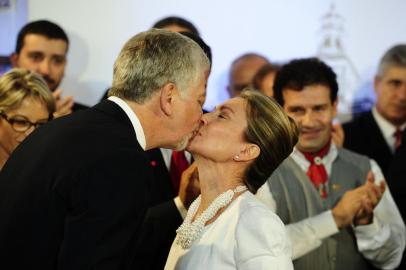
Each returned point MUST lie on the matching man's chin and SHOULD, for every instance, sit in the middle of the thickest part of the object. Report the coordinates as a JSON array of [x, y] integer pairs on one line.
[[182, 145]]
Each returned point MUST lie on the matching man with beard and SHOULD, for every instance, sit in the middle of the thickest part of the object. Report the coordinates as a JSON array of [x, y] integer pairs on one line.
[[80, 203], [42, 47], [337, 208]]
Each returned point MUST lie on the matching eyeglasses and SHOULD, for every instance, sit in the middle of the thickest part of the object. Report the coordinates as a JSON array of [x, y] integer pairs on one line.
[[21, 123]]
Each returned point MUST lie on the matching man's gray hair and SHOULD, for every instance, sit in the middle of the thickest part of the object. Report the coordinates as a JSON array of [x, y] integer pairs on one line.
[[153, 58], [394, 57]]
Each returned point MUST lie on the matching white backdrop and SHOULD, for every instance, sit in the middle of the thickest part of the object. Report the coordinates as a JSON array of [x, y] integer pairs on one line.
[[278, 29]]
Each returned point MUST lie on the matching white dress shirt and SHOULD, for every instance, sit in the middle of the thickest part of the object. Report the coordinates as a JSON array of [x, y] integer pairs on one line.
[[382, 242], [246, 236], [387, 129], [139, 131], [167, 155]]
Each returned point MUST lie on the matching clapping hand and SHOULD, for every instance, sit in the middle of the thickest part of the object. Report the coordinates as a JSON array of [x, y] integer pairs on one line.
[[371, 198], [337, 134], [63, 104], [357, 205]]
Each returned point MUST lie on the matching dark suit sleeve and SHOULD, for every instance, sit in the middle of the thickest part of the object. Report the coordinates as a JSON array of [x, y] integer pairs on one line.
[[157, 234], [107, 204]]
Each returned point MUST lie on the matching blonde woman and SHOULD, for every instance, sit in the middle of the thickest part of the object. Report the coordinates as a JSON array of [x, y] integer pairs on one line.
[[236, 149], [25, 103]]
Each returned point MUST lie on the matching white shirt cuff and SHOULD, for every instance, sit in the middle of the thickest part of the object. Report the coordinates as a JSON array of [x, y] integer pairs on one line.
[[368, 231], [328, 227]]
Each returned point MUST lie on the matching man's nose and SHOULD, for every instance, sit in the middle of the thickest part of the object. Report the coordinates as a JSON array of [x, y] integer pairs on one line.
[[308, 119], [45, 67], [401, 94]]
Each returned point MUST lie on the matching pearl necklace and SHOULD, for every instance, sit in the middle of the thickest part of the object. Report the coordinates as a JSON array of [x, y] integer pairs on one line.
[[190, 231]]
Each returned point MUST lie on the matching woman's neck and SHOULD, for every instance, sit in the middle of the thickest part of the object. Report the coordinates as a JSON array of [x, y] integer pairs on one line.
[[215, 179]]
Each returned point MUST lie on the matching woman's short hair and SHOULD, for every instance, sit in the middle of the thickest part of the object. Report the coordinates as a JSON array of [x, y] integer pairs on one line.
[[18, 84], [272, 130]]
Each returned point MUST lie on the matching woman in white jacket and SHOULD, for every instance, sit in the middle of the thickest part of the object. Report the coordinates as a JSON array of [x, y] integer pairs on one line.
[[236, 149]]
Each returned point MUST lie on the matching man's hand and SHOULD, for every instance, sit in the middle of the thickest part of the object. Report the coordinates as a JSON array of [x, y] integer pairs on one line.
[[337, 134], [63, 104], [372, 197], [349, 205], [189, 185]]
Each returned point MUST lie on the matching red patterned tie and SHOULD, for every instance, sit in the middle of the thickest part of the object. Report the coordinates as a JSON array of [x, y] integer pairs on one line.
[[317, 172], [179, 163], [398, 137]]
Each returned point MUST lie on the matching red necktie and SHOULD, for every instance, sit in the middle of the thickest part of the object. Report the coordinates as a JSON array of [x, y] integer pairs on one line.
[[398, 138], [317, 172], [179, 163]]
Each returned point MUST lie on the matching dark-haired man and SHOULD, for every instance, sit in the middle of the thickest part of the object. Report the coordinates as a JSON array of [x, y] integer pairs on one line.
[[42, 47], [176, 24], [338, 211]]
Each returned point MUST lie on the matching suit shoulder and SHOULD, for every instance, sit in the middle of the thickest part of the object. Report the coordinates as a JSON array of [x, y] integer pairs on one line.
[[359, 122]]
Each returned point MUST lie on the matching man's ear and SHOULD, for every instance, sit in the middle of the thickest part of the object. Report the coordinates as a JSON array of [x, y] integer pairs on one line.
[[14, 60], [249, 152], [377, 82], [335, 107], [167, 98]]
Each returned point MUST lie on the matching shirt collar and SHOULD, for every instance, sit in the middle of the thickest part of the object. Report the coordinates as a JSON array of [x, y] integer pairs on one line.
[[384, 125], [327, 160], [139, 132]]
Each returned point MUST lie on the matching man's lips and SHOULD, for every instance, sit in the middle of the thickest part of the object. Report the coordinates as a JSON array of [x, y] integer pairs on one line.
[[310, 133]]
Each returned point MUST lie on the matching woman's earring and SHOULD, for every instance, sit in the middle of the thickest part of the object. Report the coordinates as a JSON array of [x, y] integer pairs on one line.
[[236, 157]]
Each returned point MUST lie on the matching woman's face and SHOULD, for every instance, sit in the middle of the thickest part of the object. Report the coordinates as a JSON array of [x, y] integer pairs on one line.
[[32, 110], [221, 135]]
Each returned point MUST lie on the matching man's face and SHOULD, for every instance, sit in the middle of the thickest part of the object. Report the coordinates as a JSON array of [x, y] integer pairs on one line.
[[242, 73], [44, 56], [390, 91], [189, 111], [313, 113]]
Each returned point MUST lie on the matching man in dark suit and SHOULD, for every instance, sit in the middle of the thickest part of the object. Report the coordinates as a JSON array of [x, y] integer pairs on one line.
[[377, 133], [42, 47], [397, 176], [170, 200], [74, 195]]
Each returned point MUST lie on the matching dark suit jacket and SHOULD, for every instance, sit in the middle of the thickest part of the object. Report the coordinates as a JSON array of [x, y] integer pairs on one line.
[[79, 106], [74, 194], [161, 221], [397, 177], [362, 135], [397, 183]]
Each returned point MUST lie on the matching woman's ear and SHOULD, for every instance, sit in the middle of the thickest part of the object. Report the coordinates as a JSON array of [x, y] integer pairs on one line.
[[167, 98], [249, 152]]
